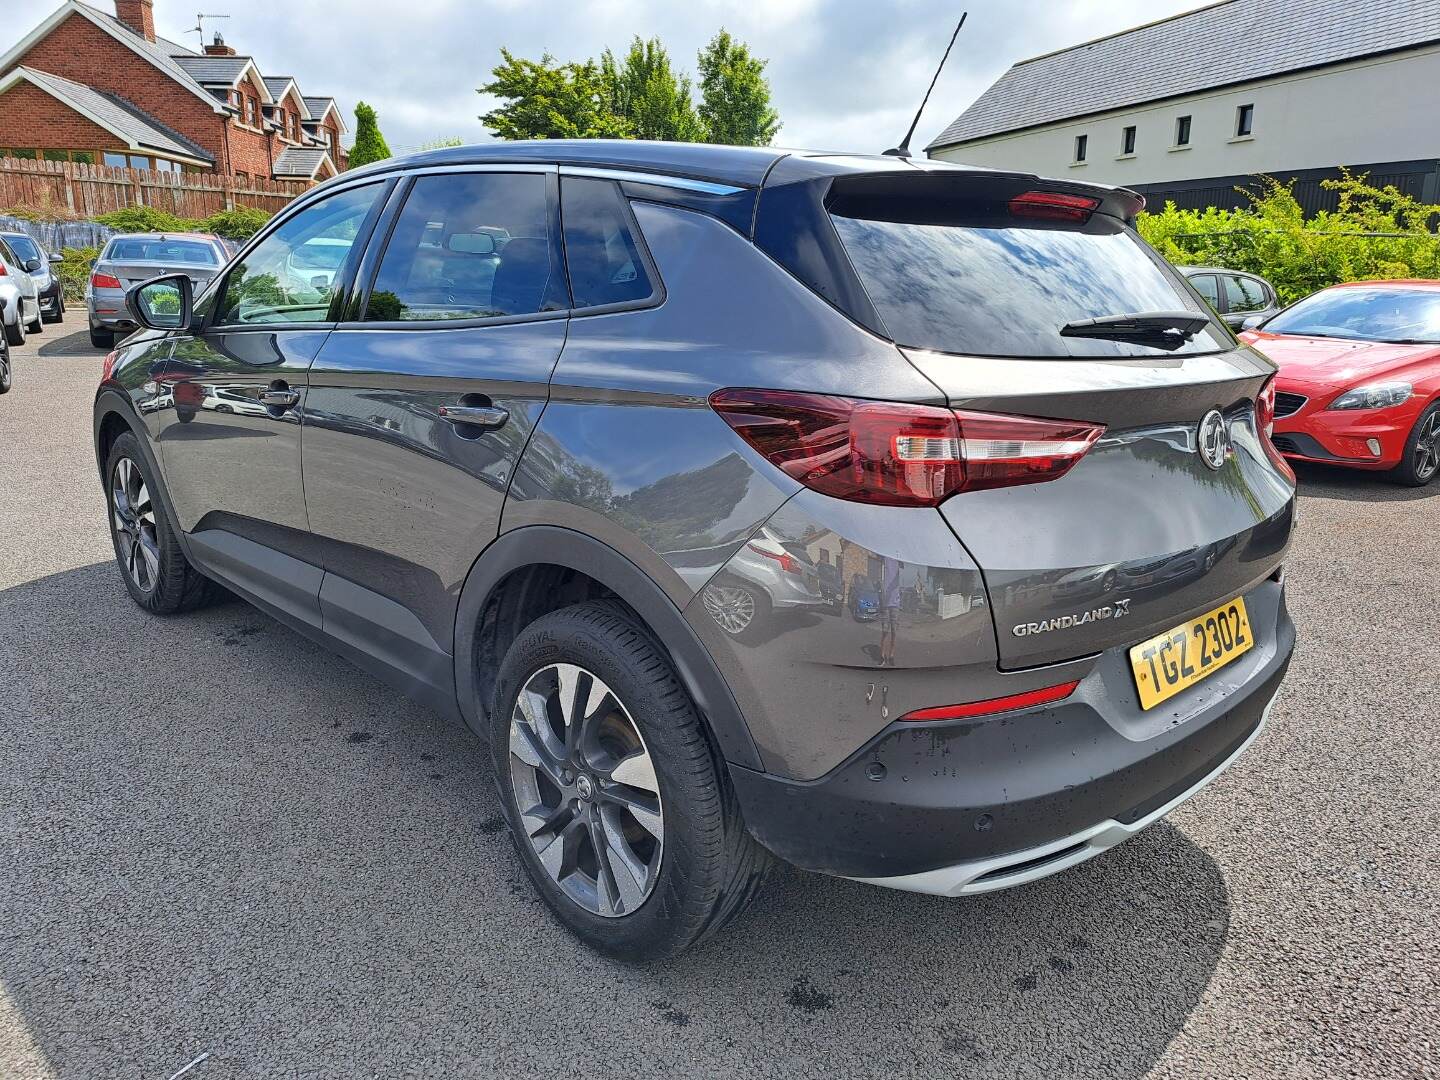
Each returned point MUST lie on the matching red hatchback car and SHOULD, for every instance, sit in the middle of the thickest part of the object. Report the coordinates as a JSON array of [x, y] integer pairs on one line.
[[1359, 380]]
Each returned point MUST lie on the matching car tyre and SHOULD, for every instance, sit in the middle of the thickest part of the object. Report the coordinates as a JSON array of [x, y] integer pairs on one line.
[[7, 376], [59, 314], [15, 335], [637, 783], [157, 575], [102, 339], [37, 326], [1421, 461]]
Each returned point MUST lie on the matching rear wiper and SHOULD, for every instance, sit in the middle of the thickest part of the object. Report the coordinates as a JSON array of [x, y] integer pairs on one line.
[[1157, 329]]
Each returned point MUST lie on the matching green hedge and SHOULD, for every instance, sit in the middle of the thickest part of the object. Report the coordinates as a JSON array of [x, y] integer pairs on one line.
[[240, 224], [1374, 233]]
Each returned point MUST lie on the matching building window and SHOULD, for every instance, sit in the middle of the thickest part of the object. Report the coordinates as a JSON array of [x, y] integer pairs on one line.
[[83, 157], [1127, 140], [28, 155], [1182, 131], [56, 155], [235, 100], [1081, 145], [250, 110], [1244, 120], [161, 165], [115, 159]]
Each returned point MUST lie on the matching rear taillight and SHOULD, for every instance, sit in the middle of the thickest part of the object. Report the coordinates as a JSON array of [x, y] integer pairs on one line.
[[893, 454], [788, 562], [1030, 698], [3, 271], [105, 281], [1053, 206], [1265, 422]]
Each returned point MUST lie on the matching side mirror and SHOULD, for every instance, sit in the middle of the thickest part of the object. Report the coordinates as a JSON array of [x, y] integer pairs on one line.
[[1250, 322], [31, 265], [163, 303], [55, 256]]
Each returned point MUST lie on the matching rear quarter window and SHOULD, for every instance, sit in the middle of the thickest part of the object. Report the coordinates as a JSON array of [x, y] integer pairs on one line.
[[975, 280], [601, 253]]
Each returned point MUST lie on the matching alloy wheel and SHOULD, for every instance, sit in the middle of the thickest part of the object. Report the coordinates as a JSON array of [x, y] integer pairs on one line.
[[1427, 446], [585, 790], [732, 608], [132, 513]]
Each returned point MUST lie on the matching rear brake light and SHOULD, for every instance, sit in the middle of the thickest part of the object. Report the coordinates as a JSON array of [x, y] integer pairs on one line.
[[788, 562], [1053, 206], [105, 281], [1265, 422], [3, 271], [892, 454], [1049, 695]]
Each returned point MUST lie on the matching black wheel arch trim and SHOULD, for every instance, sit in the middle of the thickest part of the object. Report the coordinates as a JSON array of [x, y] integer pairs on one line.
[[112, 402], [536, 545]]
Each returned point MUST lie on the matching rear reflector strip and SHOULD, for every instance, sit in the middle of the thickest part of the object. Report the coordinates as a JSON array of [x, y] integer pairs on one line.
[[1046, 696]]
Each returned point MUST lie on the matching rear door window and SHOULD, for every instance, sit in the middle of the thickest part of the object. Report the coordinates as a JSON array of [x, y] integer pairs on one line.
[[1209, 288], [958, 277], [470, 245], [601, 254], [1243, 294]]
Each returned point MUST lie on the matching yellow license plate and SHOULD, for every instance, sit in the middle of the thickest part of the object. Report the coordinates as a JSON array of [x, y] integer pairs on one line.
[[1167, 663]]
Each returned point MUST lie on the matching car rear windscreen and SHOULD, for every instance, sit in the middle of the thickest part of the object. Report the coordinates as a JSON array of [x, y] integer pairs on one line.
[[964, 278], [180, 252]]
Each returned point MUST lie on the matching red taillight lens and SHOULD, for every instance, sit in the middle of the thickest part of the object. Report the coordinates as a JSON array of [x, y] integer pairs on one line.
[[788, 562], [105, 281], [1053, 206], [3, 271], [892, 454], [1265, 422], [1047, 696]]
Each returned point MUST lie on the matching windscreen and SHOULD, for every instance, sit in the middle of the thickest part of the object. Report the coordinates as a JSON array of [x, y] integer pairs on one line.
[[23, 247], [180, 252], [961, 276], [1404, 316]]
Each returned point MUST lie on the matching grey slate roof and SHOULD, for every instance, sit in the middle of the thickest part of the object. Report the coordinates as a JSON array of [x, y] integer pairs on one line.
[[276, 84], [317, 107], [1229, 42], [118, 115], [298, 161], [213, 70]]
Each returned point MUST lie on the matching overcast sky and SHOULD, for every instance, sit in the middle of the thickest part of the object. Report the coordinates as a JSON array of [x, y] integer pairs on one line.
[[846, 74]]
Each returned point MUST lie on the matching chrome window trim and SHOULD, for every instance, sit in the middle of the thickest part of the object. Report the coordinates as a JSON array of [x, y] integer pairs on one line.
[[663, 179]]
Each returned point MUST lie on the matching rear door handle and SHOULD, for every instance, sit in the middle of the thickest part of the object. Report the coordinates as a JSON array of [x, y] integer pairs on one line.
[[488, 417], [280, 399]]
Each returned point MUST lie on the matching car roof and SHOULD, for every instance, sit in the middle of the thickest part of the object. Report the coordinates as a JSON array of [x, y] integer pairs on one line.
[[1218, 270], [204, 238], [746, 166]]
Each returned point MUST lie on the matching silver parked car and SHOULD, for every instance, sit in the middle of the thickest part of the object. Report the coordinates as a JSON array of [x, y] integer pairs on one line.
[[19, 299], [1237, 297], [135, 258]]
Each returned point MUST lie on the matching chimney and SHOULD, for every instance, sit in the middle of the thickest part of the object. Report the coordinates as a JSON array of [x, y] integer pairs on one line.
[[218, 47], [138, 15]]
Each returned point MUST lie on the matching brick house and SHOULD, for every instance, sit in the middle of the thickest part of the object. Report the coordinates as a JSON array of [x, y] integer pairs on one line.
[[89, 87]]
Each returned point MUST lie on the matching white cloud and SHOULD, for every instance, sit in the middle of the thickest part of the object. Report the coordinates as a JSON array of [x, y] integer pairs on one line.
[[846, 74]]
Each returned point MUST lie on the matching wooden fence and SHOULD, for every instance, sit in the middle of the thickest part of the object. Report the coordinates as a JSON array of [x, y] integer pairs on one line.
[[64, 189]]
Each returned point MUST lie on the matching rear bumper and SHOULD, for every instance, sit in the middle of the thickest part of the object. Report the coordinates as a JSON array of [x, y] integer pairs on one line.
[[962, 806], [108, 311]]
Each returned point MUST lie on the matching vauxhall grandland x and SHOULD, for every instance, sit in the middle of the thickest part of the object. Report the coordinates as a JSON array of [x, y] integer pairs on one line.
[[600, 447]]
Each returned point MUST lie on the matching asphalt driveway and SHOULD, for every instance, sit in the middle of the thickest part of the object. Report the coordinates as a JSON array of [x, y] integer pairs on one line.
[[217, 839]]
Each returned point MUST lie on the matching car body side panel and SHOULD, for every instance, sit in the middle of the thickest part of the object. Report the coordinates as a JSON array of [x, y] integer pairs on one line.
[[811, 681], [628, 449]]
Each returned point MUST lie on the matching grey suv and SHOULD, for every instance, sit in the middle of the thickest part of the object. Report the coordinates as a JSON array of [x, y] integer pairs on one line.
[[554, 392]]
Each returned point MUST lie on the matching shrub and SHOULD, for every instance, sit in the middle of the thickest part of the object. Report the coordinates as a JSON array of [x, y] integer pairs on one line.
[[75, 271], [144, 219], [369, 145], [238, 224], [1374, 233]]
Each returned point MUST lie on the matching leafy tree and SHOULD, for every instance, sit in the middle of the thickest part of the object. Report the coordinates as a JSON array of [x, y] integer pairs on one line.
[[369, 145], [549, 100], [1374, 233], [648, 95], [735, 95]]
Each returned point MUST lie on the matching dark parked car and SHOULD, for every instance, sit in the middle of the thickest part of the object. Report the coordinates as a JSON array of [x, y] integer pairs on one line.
[[48, 286], [1239, 298], [553, 390]]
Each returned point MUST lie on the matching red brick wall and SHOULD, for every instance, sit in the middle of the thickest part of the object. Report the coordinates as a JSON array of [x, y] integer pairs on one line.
[[81, 51], [31, 118], [249, 151]]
